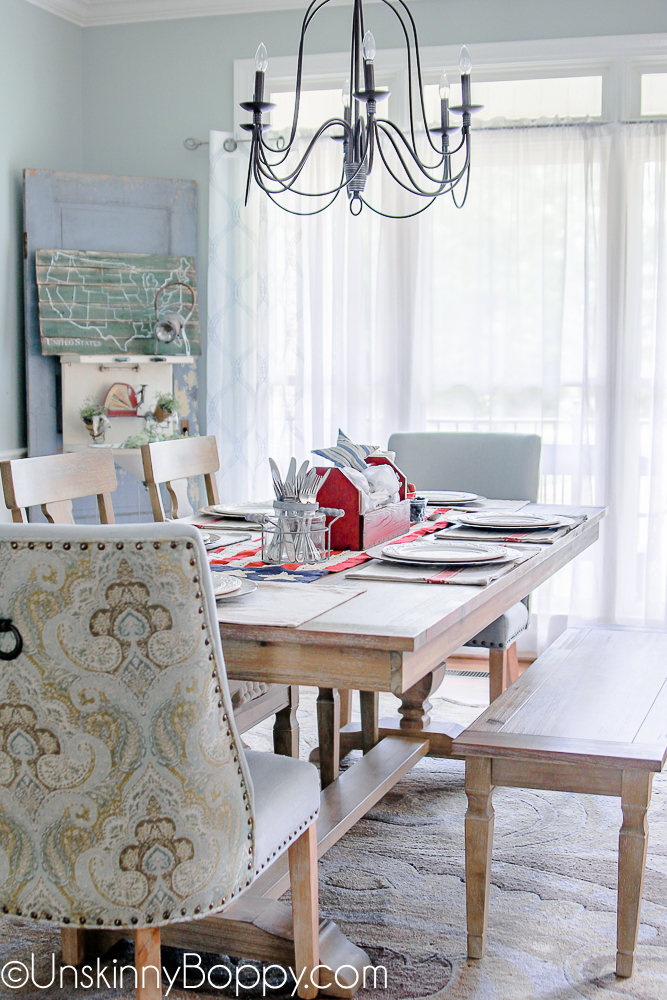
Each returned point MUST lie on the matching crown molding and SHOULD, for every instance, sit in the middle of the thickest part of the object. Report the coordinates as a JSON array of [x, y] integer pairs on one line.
[[90, 13]]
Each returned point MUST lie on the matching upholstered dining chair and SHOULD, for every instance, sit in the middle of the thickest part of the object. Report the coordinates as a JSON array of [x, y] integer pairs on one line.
[[53, 481], [172, 463], [499, 466], [127, 801]]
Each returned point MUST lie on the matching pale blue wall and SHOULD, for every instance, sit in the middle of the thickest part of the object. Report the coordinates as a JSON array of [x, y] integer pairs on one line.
[[40, 126]]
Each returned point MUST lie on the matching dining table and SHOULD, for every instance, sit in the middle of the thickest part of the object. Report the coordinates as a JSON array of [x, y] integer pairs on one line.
[[390, 637]]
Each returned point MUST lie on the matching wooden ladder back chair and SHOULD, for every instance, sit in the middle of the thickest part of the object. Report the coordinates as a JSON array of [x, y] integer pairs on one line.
[[173, 463], [53, 481]]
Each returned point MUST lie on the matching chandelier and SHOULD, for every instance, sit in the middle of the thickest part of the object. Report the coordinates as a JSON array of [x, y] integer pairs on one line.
[[427, 172]]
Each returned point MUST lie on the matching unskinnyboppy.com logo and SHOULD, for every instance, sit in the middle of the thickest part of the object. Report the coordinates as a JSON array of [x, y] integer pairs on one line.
[[190, 975]]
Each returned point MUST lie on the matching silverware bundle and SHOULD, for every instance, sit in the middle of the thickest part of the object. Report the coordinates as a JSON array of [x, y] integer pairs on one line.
[[297, 533], [301, 487]]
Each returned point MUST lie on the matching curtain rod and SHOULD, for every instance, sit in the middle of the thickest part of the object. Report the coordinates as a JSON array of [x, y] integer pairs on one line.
[[231, 144]]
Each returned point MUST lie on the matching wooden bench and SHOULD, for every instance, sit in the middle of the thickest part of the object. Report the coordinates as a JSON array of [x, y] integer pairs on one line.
[[589, 716]]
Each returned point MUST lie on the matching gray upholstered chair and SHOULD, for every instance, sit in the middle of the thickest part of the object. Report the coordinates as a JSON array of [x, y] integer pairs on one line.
[[126, 799], [499, 466]]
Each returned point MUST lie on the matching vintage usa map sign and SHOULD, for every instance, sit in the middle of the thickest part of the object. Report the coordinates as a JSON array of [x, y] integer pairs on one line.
[[104, 303]]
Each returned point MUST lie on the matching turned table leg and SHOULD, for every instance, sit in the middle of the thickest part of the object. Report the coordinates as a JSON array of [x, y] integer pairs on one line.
[[632, 844], [478, 848], [286, 728], [328, 727], [415, 705]]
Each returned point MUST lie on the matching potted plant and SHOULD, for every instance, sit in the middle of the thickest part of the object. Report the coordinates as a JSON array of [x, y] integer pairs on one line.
[[165, 405], [94, 417]]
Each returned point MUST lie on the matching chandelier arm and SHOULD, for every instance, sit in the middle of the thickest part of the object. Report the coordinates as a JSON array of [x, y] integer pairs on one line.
[[454, 179], [415, 189], [465, 193], [419, 70], [411, 215], [261, 150], [307, 18], [384, 124], [448, 154], [293, 177], [290, 211], [445, 185]]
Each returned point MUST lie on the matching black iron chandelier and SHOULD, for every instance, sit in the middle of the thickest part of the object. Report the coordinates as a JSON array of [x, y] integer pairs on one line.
[[365, 136]]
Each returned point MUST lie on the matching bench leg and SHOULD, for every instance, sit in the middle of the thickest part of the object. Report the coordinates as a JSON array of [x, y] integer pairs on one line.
[[478, 845], [632, 844]]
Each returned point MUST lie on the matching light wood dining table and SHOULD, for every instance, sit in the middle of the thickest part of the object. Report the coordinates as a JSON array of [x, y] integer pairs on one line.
[[393, 637]]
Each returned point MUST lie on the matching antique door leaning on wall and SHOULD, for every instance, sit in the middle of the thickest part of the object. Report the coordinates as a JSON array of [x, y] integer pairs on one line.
[[67, 211]]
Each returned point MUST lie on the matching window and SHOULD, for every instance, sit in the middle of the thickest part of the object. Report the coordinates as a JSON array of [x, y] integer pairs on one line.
[[514, 100], [654, 94]]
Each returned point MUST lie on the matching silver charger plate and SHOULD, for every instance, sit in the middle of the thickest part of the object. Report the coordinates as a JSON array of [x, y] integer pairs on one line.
[[444, 553], [246, 587], [502, 521], [450, 498]]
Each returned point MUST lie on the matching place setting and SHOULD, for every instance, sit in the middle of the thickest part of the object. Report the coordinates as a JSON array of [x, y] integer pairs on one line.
[[507, 526], [432, 560]]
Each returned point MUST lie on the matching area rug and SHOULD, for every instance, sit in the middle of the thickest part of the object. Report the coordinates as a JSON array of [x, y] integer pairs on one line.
[[395, 885]]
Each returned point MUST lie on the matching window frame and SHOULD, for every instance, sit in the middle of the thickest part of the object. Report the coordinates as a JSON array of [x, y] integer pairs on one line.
[[619, 59]]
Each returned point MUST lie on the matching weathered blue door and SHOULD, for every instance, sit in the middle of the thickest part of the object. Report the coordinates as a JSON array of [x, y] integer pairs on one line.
[[67, 211]]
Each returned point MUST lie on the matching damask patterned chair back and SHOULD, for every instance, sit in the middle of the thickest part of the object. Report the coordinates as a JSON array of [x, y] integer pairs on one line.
[[125, 801]]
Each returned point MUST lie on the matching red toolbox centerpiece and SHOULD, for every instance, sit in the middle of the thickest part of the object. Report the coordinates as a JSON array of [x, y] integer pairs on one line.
[[357, 531]]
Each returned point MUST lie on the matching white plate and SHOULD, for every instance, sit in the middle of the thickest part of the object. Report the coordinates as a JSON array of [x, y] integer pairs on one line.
[[449, 498], [224, 584], [247, 587], [240, 510], [216, 539], [498, 519], [205, 536], [426, 550]]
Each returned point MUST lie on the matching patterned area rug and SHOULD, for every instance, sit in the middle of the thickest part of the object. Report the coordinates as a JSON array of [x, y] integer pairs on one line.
[[395, 884]]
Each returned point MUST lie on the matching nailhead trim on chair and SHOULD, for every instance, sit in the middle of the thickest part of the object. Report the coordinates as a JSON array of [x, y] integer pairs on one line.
[[496, 645], [292, 836]]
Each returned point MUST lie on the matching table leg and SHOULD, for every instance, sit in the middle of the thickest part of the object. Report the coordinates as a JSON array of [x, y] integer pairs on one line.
[[370, 719], [415, 704], [286, 728], [328, 727], [632, 844], [478, 848]]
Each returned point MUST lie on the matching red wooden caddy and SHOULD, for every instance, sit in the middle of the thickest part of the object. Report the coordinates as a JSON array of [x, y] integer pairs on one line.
[[357, 531]]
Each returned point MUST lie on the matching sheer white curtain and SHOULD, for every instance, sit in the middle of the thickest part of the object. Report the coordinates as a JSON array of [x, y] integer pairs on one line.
[[538, 308]]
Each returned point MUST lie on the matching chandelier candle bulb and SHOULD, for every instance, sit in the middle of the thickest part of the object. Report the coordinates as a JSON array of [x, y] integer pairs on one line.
[[465, 66], [369, 51], [444, 90], [261, 66]]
